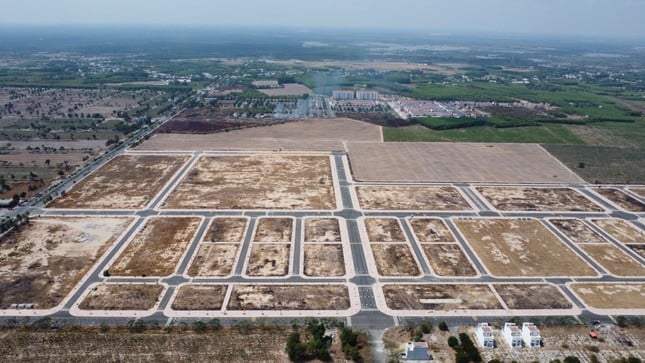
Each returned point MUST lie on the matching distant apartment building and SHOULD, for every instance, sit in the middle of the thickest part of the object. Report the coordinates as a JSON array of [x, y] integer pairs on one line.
[[367, 95], [531, 335], [512, 335], [485, 335], [342, 95]]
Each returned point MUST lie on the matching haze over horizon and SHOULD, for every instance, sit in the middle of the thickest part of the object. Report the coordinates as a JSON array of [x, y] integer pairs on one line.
[[581, 18]]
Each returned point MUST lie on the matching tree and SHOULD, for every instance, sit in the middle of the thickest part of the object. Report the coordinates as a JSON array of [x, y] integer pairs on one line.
[[199, 326], [571, 359], [443, 326], [453, 341], [295, 349]]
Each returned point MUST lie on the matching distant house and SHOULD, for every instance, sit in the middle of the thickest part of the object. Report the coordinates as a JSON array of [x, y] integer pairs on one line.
[[485, 335], [512, 335], [531, 335], [416, 352]]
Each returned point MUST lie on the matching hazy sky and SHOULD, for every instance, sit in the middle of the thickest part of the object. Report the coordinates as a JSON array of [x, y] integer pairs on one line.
[[591, 18]]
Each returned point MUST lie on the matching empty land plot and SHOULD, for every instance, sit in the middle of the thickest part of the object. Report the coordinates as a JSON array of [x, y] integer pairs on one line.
[[200, 297], [431, 230], [41, 262], [614, 260], [274, 230], [639, 191], [448, 260], [638, 248], [537, 199], [122, 297], [214, 260], [384, 230], [289, 297], [532, 296], [324, 260], [268, 259], [621, 230], [410, 198], [322, 230], [394, 260], [157, 248], [126, 182], [456, 162], [577, 231], [611, 295], [256, 182], [512, 247], [440, 297], [625, 201], [288, 89], [226, 230]]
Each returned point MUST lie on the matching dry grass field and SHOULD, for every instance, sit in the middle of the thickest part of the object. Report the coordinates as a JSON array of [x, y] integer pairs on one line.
[[440, 297], [614, 260], [289, 89], [512, 247], [394, 259], [431, 230], [199, 297], [611, 295], [41, 262], [289, 297], [577, 231], [384, 230], [532, 296], [268, 259], [214, 260], [324, 260], [448, 259], [229, 230], [126, 182], [256, 182], [537, 199], [322, 230], [626, 202], [274, 230], [621, 230], [410, 198], [122, 297], [156, 249]]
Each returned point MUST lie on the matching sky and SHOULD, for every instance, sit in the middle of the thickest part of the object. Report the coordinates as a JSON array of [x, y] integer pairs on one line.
[[588, 18]]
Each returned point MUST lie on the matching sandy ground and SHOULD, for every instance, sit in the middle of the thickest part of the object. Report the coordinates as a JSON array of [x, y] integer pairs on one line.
[[577, 231], [394, 260], [122, 297], [511, 247], [128, 181], [289, 297], [226, 230], [256, 182], [157, 248], [611, 295], [309, 135], [199, 297], [288, 89], [638, 248], [623, 200], [537, 199], [324, 260], [614, 260], [448, 259], [621, 230], [431, 230], [213, 260], [41, 262], [529, 296], [447, 297], [268, 259], [274, 230], [384, 230], [410, 198], [322, 230], [456, 162]]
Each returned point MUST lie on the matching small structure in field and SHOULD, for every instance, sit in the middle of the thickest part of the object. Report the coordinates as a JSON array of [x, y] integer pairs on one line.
[[512, 335], [416, 352], [485, 335], [531, 335]]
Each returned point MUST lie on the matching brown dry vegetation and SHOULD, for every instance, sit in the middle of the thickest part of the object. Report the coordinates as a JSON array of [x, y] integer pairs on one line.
[[611, 295], [394, 260], [531, 296], [200, 297], [621, 230], [289, 297], [324, 260], [384, 230], [268, 259], [226, 230], [537, 199], [126, 182], [122, 297], [638, 248], [447, 297], [614, 260], [511, 247], [274, 230], [410, 198], [322, 230], [157, 248], [627, 202], [577, 231], [431, 230], [448, 259], [639, 191], [213, 260]]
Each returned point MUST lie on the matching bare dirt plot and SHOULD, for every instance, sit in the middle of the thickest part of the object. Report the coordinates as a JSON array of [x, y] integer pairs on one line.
[[639, 191], [310, 135], [157, 248], [448, 260], [41, 262], [214, 259], [511, 247], [322, 230], [226, 230], [127, 181], [440, 297], [532, 296], [394, 260], [627, 202], [638, 248], [621, 230], [456, 162], [324, 260], [199, 297], [410, 198], [614, 260], [384, 230], [274, 230], [288, 89], [537, 199], [611, 295], [256, 182], [289, 297], [577, 231], [431, 230], [122, 297], [268, 260]]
